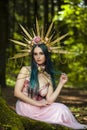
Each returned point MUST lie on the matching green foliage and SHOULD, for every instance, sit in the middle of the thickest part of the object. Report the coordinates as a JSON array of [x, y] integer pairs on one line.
[[69, 16], [8, 118], [74, 16]]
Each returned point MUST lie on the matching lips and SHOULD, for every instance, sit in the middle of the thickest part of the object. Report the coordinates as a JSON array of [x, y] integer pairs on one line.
[[38, 60]]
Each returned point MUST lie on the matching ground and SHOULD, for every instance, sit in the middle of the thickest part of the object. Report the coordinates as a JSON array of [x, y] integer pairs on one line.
[[75, 99]]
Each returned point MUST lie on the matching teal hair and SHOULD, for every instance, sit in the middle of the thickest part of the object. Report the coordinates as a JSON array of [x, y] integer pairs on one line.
[[34, 70]]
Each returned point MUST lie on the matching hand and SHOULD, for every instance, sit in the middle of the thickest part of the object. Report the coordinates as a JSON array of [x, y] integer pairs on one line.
[[63, 78], [43, 103]]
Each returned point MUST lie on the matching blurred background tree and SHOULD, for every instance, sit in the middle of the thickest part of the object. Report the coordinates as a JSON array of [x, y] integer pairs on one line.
[[68, 16]]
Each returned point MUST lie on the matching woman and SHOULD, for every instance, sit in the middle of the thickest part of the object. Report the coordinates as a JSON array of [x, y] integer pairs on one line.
[[36, 93]]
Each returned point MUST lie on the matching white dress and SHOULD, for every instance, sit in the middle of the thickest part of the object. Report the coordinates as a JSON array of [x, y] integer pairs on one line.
[[56, 113]]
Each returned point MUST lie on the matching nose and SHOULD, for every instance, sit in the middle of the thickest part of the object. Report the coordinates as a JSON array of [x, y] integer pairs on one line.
[[38, 56]]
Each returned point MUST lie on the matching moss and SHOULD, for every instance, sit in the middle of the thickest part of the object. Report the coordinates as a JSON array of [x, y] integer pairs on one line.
[[9, 120], [0, 90]]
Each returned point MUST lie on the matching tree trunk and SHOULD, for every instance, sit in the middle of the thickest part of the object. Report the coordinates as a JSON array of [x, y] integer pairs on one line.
[[35, 9], [52, 8], [3, 39], [45, 12]]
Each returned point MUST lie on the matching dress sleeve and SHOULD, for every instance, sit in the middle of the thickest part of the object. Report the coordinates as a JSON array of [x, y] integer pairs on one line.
[[28, 68]]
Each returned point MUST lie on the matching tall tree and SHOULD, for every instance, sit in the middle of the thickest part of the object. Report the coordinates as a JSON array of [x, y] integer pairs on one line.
[[3, 39], [45, 12], [35, 8], [52, 8]]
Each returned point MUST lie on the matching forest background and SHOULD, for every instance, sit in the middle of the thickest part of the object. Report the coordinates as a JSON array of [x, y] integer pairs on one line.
[[69, 16]]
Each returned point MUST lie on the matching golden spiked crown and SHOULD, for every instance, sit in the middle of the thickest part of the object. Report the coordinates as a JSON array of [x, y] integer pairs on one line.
[[38, 38]]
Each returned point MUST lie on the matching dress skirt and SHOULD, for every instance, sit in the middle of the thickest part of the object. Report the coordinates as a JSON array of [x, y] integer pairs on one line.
[[56, 113]]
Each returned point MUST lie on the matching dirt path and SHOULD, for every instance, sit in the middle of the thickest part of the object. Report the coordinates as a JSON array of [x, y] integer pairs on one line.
[[75, 99]]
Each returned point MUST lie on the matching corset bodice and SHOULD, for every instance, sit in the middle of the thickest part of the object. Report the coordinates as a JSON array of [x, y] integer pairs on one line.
[[43, 86]]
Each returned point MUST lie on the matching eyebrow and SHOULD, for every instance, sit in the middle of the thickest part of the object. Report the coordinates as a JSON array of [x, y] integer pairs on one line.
[[39, 53]]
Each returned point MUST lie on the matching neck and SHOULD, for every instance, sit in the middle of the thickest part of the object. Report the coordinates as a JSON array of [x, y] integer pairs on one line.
[[41, 68]]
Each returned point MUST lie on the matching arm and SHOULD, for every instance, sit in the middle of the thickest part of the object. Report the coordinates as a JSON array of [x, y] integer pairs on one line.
[[18, 89], [52, 96]]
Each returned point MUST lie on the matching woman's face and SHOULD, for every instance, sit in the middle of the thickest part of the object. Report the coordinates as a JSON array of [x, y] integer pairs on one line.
[[39, 56]]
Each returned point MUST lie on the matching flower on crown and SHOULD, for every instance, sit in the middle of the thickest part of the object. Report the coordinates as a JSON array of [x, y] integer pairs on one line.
[[38, 38]]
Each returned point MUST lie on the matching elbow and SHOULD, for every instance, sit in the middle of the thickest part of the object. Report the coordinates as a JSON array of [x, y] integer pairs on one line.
[[16, 94]]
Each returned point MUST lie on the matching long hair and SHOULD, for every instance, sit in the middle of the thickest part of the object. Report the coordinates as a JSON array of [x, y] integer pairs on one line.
[[34, 84]]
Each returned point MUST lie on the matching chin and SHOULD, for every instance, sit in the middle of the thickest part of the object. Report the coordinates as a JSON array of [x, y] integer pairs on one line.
[[40, 63]]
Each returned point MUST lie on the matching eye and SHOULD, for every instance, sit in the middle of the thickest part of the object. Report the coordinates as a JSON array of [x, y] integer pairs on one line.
[[35, 54], [41, 53]]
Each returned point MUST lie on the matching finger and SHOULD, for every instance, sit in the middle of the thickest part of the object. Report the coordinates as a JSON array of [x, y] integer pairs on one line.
[[64, 74]]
